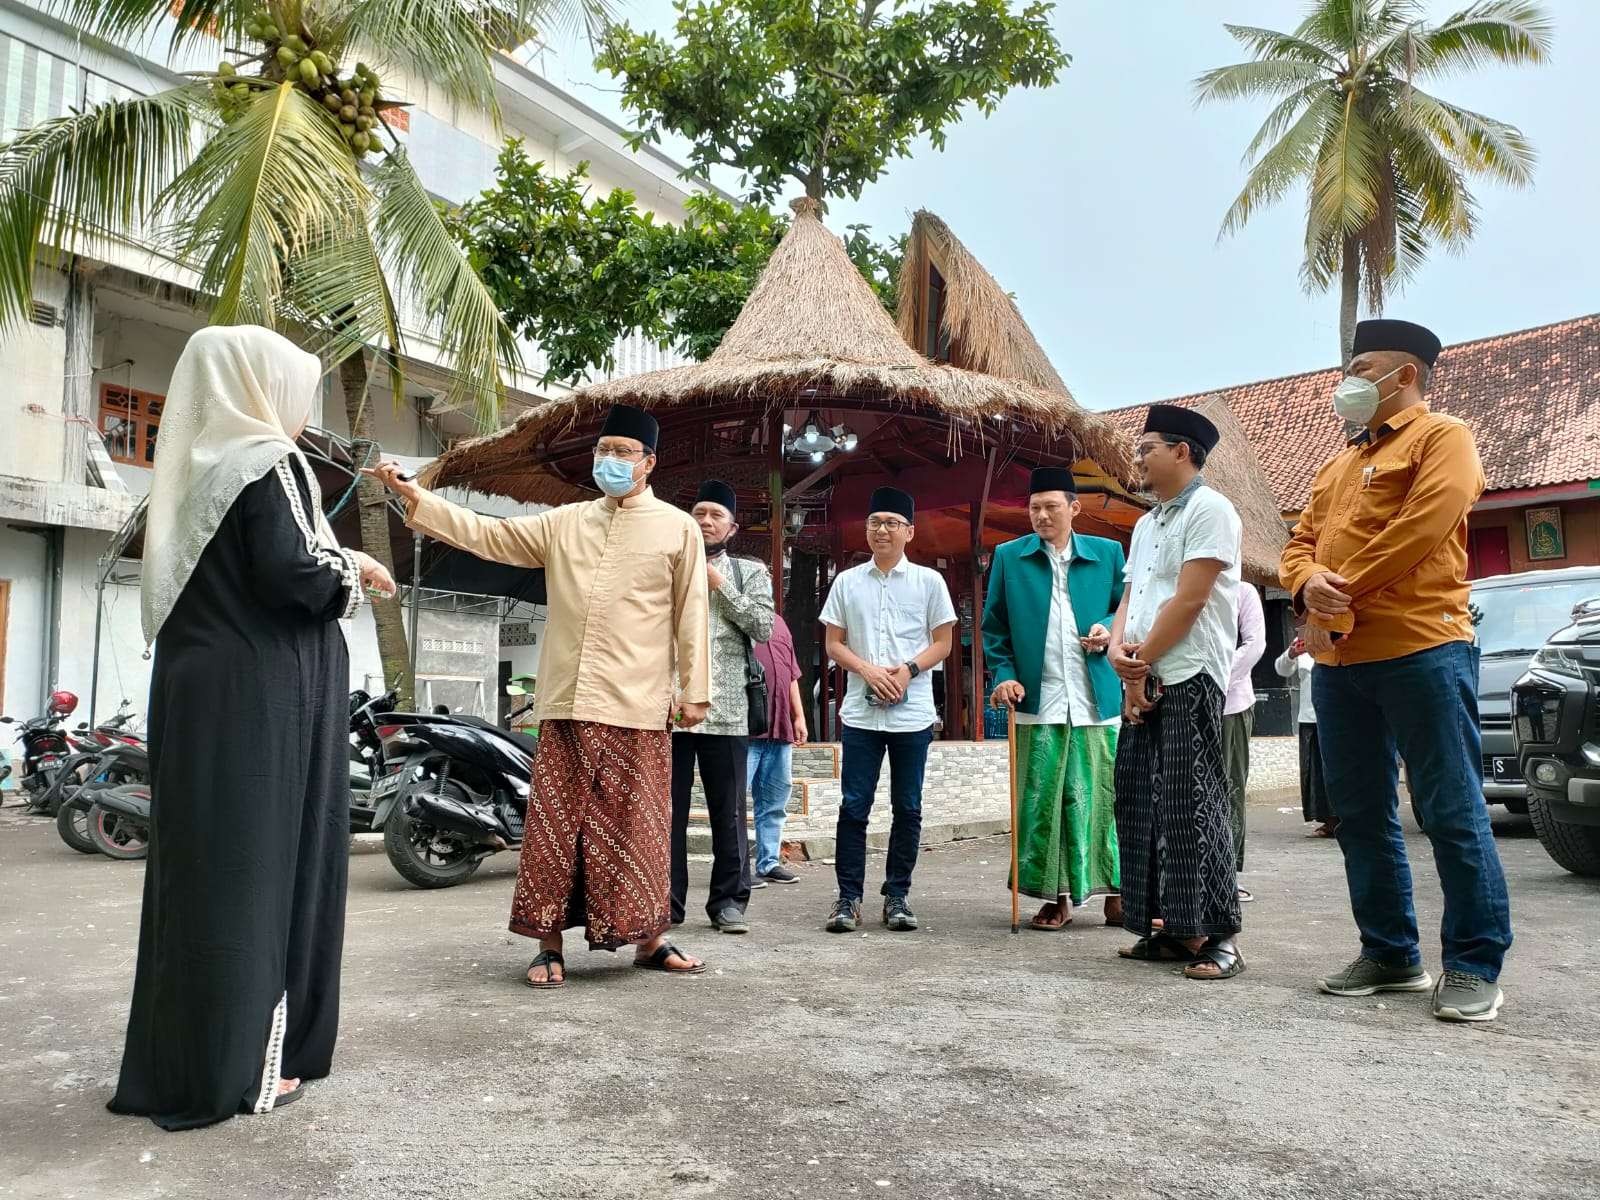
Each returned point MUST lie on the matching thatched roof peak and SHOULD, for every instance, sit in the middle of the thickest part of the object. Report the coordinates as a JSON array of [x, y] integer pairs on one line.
[[982, 321], [811, 304]]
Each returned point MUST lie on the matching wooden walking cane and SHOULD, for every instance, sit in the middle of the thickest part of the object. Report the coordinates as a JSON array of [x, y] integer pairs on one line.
[[1011, 760]]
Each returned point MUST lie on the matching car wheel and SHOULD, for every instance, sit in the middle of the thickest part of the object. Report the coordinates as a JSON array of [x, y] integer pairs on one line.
[[1575, 847]]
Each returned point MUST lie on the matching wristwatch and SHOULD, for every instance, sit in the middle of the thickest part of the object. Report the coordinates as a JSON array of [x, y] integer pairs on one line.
[[912, 669]]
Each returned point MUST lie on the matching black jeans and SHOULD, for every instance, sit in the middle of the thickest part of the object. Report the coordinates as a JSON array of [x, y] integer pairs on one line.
[[722, 762], [863, 760]]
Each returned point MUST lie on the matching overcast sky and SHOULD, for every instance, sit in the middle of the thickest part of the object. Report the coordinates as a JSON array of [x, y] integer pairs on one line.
[[1097, 202]]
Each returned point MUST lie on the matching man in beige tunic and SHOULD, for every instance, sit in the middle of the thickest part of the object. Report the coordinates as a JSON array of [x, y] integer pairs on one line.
[[626, 579]]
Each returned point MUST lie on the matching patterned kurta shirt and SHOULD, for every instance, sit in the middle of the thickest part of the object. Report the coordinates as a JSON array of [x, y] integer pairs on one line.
[[742, 608]]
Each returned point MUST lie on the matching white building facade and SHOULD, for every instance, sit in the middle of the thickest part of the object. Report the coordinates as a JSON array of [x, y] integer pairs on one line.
[[80, 415]]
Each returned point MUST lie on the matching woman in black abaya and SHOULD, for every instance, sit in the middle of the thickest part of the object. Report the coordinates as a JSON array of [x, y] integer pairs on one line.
[[236, 993]]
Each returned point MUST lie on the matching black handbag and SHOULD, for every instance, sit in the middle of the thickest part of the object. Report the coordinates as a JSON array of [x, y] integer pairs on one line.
[[755, 677]]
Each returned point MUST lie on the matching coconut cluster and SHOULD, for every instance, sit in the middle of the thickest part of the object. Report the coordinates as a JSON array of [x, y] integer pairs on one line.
[[351, 101]]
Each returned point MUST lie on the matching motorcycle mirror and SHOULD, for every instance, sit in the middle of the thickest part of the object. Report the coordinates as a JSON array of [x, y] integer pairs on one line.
[[8, 720], [83, 724]]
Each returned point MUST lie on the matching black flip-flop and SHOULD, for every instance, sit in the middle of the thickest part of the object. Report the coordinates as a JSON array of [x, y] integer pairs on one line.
[[547, 959], [658, 961], [1157, 948], [1220, 952]]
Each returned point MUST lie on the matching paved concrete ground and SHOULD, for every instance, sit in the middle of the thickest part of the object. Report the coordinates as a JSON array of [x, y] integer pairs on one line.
[[955, 1062]]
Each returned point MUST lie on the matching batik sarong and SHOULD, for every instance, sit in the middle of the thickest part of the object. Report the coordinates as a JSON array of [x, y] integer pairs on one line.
[[1066, 820], [1173, 817], [596, 843]]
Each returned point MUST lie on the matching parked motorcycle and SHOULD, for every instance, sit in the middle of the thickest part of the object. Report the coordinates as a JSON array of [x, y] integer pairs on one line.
[[45, 745], [460, 794], [367, 761], [118, 766], [119, 821], [88, 745]]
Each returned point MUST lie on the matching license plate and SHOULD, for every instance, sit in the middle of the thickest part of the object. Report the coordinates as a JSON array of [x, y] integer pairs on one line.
[[1505, 770], [389, 783]]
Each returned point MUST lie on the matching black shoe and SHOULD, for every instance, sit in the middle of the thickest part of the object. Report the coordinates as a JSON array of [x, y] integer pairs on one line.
[[897, 915], [780, 874], [845, 917], [731, 920]]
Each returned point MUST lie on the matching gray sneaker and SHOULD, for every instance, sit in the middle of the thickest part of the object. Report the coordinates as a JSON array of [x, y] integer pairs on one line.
[[897, 915], [1364, 977], [779, 874], [1464, 997], [731, 920], [845, 917]]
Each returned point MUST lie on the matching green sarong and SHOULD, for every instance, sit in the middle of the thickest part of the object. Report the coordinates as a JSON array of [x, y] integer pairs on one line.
[[1066, 821]]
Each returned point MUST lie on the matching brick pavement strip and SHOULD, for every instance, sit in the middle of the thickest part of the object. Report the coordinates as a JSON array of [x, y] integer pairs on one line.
[[925, 1066]]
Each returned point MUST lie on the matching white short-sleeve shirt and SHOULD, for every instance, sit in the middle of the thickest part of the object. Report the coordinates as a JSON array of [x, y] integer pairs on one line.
[[1197, 523], [888, 619]]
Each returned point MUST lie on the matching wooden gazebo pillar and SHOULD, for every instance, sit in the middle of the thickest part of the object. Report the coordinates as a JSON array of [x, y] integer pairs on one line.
[[775, 496]]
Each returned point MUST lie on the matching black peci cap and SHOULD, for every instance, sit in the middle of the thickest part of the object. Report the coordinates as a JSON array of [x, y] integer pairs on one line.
[[1052, 479], [1406, 336], [892, 500], [626, 421], [717, 492], [1176, 421]]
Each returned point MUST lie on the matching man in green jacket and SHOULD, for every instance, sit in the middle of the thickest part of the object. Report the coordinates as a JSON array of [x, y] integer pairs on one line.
[[1046, 625]]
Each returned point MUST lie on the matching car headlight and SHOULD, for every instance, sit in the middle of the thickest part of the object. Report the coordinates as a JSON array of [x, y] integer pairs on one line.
[[1559, 660]]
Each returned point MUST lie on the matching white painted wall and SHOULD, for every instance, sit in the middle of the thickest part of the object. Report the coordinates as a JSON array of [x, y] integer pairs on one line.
[[22, 562], [124, 671], [32, 363]]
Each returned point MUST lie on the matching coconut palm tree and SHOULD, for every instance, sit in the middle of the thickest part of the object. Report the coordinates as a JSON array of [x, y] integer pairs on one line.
[[1385, 163], [277, 178]]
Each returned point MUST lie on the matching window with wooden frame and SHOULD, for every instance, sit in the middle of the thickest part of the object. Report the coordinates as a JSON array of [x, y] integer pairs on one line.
[[129, 420]]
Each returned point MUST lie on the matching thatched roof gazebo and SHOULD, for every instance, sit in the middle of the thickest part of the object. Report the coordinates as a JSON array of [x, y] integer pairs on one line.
[[814, 349]]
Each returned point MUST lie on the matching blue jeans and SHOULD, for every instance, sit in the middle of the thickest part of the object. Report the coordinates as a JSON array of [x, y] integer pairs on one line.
[[863, 761], [770, 783], [1425, 706]]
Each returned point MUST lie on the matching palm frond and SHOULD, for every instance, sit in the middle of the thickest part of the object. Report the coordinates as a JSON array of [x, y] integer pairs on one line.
[[427, 266], [336, 288], [1514, 32], [1283, 116], [75, 178], [276, 179], [1345, 182], [123, 21], [1444, 207], [1481, 144], [1290, 161], [1249, 79], [1269, 44], [443, 41]]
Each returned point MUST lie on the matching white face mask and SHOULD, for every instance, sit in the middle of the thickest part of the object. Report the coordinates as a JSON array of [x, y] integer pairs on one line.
[[1356, 399]]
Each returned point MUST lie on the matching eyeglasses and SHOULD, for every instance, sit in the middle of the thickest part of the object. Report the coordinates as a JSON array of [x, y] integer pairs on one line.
[[889, 523], [1144, 448], [617, 452]]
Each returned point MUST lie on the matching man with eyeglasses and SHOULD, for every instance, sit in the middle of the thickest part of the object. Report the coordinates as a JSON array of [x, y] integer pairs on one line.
[[627, 626], [1173, 644], [889, 622], [741, 612]]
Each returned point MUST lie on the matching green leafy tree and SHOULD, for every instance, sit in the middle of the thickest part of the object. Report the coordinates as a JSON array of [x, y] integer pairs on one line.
[[254, 173], [825, 92], [575, 273], [1385, 163]]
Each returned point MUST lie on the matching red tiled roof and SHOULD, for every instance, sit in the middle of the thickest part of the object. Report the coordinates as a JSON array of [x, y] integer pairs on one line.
[[1532, 399]]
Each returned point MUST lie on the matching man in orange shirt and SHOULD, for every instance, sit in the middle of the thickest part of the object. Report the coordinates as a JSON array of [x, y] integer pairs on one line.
[[1377, 567]]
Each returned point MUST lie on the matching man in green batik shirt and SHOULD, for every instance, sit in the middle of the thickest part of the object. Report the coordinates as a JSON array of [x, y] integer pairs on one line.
[[1046, 625]]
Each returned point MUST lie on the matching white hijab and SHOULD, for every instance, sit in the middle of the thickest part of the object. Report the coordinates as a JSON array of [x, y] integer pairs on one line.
[[238, 396]]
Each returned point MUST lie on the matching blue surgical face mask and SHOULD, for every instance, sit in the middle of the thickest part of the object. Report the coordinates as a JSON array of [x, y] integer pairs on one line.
[[614, 476], [1356, 399]]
